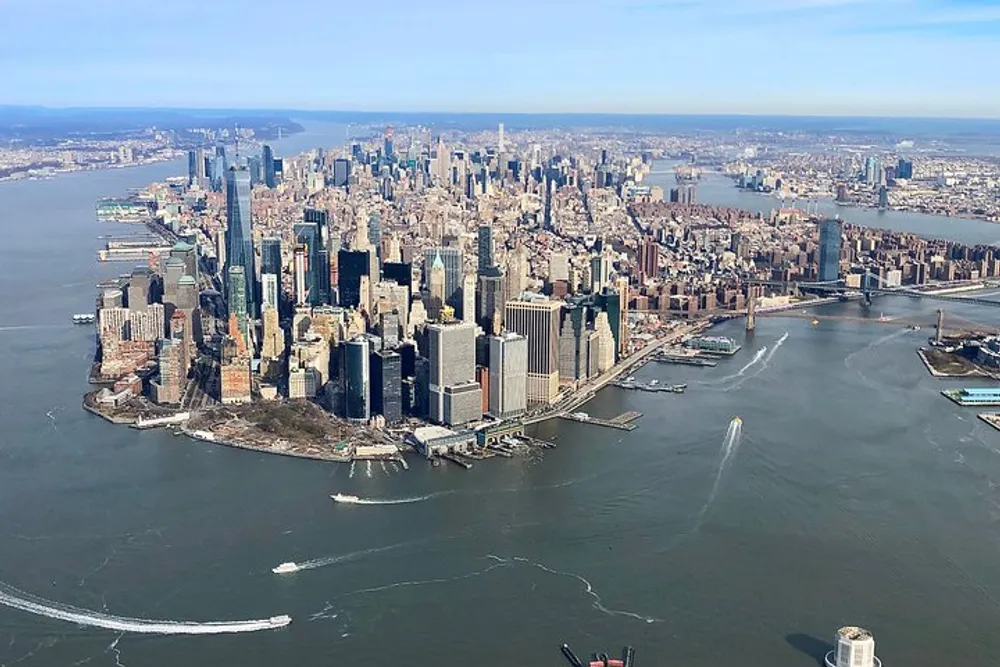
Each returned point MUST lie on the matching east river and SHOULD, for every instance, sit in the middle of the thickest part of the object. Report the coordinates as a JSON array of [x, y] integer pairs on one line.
[[856, 494]]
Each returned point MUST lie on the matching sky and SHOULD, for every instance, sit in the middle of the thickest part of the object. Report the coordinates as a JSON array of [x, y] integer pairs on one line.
[[812, 57]]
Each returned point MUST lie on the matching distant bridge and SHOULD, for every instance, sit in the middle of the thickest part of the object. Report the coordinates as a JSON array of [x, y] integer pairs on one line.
[[872, 285]]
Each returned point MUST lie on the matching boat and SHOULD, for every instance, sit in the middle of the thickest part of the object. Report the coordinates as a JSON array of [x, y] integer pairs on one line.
[[914, 327], [285, 568], [344, 498], [815, 321], [279, 621], [653, 383], [84, 318]]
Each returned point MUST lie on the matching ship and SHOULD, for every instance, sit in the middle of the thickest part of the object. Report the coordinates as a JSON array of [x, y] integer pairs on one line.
[[344, 498], [285, 568], [279, 621]]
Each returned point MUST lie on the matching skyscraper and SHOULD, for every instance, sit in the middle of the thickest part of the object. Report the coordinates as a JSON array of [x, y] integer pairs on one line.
[[307, 234], [386, 385], [192, 167], [351, 266], [452, 260], [270, 255], [270, 291], [357, 379], [341, 172], [648, 258], [236, 289], [492, 296], [508, 360], [455, 396], [267, 164], [469, 298], [436, 287], [830, 232], [485, 247], [538, 321], [300, 260], [239, 241], [600, 272]]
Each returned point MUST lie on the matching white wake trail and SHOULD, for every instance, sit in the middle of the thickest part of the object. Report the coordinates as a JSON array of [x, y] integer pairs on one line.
[[392, 501], [730, 444], [351, 475], [333, 560], [368, 468], [16, 599]]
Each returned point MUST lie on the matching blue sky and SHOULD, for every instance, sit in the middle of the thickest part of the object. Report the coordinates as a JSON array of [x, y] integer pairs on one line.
[[826, 57]]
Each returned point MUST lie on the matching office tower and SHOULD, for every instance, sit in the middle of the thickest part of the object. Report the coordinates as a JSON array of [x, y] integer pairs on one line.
[[830, 231], [883, 197], [455, 396], [375, 232], [270, 255], [398, 272], [485, 247], [436, 288], [389, 326], [111, 298], [393, 252], [451, 258], [236, 286], [270, 289], [600, 272], [387, 143], [234, 374], [273, 345], [500, 138], [140, 288], [357, 379], [508, 360], [387, 385], [621, 287], [192, 167], [538, 321], [904, 169], [307, 235], [351, 266], [303, 382], [267, 166], [592, 344], [168, 388], [558, 267], [301, 274], [468, 298], [855, 648], [517, 273], [147, 325], [492, 296], [605, 343], [239, 242], [341, 172], [188, 254], [648, 258]]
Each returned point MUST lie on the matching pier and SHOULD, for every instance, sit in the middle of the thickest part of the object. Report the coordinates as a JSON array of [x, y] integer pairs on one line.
[[622, 422], [684, 360], [457, 460], [651, 388]]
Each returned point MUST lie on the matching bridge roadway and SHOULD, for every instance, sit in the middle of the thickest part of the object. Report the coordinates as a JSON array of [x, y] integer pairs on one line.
[[569, 403], [835, 286]]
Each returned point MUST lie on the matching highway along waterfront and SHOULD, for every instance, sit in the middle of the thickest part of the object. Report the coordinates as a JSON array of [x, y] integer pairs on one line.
[[856, 492]]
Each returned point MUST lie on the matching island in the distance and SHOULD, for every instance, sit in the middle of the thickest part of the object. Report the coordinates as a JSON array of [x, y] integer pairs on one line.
[[444, 294]]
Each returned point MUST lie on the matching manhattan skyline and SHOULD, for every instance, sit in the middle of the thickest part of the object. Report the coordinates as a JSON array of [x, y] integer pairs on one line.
[[819, 57]]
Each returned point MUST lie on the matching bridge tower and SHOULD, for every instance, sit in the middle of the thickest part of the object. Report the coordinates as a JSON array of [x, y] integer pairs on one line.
[[940, 326], [751, 314], [866, 287]]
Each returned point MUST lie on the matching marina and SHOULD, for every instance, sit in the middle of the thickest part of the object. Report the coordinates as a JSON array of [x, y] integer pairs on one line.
[[623, 422]]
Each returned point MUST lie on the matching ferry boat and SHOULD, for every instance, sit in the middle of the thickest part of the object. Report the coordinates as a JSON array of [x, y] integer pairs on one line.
[[84, 318], [285, 568], [279, 621], [714, 344], [344, 498]]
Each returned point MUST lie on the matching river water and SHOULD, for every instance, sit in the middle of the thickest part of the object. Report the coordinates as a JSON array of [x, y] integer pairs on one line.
[[856, 494]]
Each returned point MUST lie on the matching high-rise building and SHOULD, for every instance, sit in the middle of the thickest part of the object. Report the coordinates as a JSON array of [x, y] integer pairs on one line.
[[452, 260], [830, 233], [468, 298], [351, 266], [558, 267], [270, 288], [192, 167], [357, 379], [147, 325], [236, 287], [341, 172], [904, 169], [436, 288], [300, 263], [508, 378], [605, 343], [140, 288], [398, 272], [455, 396], [270, 255], [239, 241], [386, 385], [538, 321], [485, 247], [492, 296], [273, 345], [267, 166], [307, 234], [649, 258], [600, 272]]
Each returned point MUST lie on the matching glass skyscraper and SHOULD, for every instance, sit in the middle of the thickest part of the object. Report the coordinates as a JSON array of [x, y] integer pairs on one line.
[[239, 242], [830, 232], [267, 157]]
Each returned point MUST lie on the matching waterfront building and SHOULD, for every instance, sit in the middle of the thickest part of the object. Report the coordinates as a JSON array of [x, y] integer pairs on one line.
[[168, 388], [239, 241], [508, 375], [112, 298], [303, 382], [356, 377], [140, 288], [714, 344], [147, 325], [830, 236], [538, 321], [454, 395], [855, 647], [114, 324], [386, 385], [605, 343], [234, 374]]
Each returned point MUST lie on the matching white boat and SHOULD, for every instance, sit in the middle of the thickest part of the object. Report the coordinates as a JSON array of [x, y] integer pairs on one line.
[[280, 621], [343, 498], [285, 568]]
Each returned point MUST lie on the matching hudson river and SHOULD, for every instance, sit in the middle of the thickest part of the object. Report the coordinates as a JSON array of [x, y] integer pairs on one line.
[[856, 494]]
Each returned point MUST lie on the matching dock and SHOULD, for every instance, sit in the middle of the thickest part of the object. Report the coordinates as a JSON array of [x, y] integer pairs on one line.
[[622, 422], [457, 460], [651, 388], [684, 360]]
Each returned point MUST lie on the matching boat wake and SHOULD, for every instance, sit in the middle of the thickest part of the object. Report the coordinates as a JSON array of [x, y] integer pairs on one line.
[[764, 362], [354, 500], [351, 475], [343, 558], [368, 469], [730, 445], [598, 604], [16, 599]]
